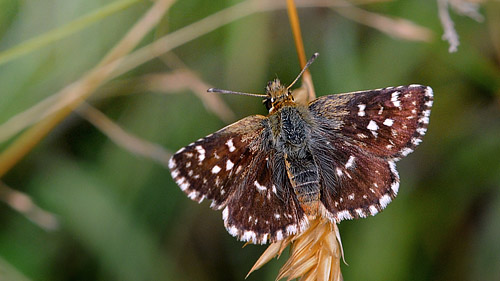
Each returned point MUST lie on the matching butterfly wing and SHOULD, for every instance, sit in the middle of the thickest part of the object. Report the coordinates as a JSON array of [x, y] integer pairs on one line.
[[358, 139], [354, 184], [232, 168], [388, 122], [264, 208]]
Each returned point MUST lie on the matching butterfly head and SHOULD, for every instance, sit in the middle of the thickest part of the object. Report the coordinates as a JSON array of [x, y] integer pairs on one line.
[[277, 95]]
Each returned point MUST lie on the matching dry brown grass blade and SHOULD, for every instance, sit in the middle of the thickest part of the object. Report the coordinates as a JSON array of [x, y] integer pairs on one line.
[[309, 94], [122, 138], [293, 17], [74, 94], [213, 103], [396, 27], [22, 203], [47, 107], [268, 254], [26, 118], [211, 23]]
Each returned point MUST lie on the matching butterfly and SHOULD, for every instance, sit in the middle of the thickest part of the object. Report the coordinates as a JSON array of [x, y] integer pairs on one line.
[[333, 158]]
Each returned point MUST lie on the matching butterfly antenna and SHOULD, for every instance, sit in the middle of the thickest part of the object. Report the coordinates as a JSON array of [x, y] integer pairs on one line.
[[215, 90], [309, 62]]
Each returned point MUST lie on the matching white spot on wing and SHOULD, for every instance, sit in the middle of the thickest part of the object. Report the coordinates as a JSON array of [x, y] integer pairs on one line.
[[424, 119], [360, 213], [384, 201], [361, 111], [216, 169], [171, 163], [351, 196], [395, 99], [259, 187], [193, 194], [225, 214], [233, 231], [350, 162], [392, 166], [339, 172], [388, 122], [201, 152], [373, 210], [373, 127], [406, 151], [395, 96], [344, 215], [229, 165], [279, 235], [395, 187], [230, 145], [184, 185], [291, 229], [175, 173], [428, 91], [422, 131]]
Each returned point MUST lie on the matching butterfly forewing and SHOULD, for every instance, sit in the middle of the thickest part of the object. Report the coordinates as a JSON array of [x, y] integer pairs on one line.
[[387, 122], [207, 168]]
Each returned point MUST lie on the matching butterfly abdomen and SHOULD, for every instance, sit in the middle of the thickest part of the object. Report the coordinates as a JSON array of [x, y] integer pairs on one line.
[[304, 177]]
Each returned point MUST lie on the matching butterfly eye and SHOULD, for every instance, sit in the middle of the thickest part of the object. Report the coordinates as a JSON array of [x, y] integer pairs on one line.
[[268, 103]]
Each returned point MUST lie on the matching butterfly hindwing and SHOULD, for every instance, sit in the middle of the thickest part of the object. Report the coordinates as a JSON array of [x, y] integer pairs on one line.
[[354, 184], [262, 210]]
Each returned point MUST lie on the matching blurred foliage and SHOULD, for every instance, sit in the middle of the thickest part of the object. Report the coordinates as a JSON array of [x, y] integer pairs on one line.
[[121, 217]]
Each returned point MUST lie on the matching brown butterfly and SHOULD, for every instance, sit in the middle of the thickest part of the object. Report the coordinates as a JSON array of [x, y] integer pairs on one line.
[[334, 157]]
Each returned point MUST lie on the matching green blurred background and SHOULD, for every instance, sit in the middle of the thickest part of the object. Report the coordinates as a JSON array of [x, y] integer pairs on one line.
[[121, 217]]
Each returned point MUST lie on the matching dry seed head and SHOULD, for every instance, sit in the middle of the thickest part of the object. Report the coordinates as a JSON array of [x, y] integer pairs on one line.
[[314, 254]]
